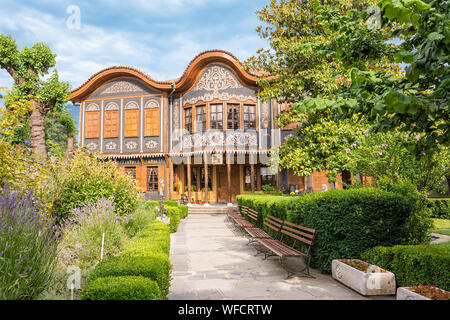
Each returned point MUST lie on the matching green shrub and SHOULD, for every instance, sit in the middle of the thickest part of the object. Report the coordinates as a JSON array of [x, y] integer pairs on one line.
[[172, 203], [156, 267], [82, 236], [184, 211], [136, 221], [152, 239], [348, 222], [87, 179], [268, 188], [275, 205], [440, 208], [122, 288], [174, 213], [413, 265]]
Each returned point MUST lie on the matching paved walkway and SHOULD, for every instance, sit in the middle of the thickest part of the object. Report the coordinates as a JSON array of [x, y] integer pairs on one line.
[[210, 261]]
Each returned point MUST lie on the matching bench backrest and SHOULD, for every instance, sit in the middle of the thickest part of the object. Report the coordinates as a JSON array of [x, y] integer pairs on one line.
[[243, 210], [298, 232], [273, 223], [253, 215]]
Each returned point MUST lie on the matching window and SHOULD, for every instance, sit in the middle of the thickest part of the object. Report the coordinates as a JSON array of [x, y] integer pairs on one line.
[[249, 117], [188, 119], [233, 116], [202, 174], [200, 114], [151, 125], [131, 123], [152, 179], [92, 124], [216, 116], [131, 171], [111, 128]]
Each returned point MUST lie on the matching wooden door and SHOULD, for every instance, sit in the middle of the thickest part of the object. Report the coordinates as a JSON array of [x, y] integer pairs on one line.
[[222, 183]]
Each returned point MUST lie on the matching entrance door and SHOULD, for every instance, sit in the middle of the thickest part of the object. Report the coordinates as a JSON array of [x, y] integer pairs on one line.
[[222, 183]]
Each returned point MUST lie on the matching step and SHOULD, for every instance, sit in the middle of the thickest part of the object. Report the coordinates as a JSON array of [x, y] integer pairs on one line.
[[210, 210]]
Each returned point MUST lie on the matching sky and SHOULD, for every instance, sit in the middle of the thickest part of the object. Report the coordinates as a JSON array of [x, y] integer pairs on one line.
[[160, 37]]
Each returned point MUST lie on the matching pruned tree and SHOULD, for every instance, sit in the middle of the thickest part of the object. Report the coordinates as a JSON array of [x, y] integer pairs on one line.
[[29, 68]]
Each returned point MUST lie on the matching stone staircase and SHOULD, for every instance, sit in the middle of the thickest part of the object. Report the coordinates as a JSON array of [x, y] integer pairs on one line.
[[212, 209]]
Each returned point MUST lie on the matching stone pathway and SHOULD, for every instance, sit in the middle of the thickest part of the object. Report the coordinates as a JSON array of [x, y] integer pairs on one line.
[[210, 261]]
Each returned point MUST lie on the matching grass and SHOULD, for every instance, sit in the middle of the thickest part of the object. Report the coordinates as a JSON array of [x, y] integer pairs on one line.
[[441, 223], [444, 245]]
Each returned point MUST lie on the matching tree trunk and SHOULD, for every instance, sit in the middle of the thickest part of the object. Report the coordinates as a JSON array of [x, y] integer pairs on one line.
[[37, 127], [346, 179], [69, 149], [448, 184]]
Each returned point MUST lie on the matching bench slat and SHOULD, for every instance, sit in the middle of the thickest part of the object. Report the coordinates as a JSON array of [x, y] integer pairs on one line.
[[294, 231], [300, 227], [308, 242]]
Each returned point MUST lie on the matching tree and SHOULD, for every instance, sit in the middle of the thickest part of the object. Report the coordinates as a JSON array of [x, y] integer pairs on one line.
[[28, 67], [59, 133], [383, 156], [314, 44], [321, 144]]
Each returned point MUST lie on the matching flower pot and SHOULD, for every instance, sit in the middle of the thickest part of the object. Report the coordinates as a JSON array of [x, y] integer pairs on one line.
[[380, 282], [403, 293]]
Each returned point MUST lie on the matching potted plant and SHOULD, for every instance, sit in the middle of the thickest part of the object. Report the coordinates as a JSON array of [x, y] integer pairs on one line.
[[422, 292], [363, 277]]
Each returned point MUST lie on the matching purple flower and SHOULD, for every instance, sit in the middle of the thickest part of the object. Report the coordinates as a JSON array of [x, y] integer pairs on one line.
[[417, 137], [380, 153], [347, 150]]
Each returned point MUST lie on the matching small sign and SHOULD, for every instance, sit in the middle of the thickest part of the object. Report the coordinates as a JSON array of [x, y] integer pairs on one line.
[[217, 158], [248, 179]]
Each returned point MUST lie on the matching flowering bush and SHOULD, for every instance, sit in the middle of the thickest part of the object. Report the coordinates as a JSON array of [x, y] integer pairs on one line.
[[362, 265], [87, 179], [82, 239], [28, 246], [431, 292]]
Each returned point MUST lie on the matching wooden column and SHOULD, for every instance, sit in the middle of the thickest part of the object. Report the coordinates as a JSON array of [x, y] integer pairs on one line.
[[252, 176], [229, 180], [189, 179], [205, 160]]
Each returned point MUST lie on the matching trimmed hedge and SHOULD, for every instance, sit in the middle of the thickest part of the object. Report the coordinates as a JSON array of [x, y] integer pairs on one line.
[[122, 288], [174, 213], [147, 257], [413, 265], [440, 208], [348, 222], [155, 267], [275, 205], [155, 238]]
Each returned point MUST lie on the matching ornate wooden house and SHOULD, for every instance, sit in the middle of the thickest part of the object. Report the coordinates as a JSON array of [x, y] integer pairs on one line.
[[204, 136]]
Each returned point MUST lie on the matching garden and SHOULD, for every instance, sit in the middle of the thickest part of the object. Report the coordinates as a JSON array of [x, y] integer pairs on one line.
[[83, 232]]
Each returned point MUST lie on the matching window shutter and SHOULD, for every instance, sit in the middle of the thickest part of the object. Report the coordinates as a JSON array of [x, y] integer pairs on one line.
[[131, 123], [111, 124], [92, 124], [151, 122]]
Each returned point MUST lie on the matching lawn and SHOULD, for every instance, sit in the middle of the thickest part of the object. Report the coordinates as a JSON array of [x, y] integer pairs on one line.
[[442, 226]]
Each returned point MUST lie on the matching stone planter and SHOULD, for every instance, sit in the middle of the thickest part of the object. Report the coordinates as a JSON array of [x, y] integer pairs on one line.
[[403, 293], [367, 284]]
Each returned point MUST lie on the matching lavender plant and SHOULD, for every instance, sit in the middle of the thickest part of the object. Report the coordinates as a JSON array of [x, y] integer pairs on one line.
[[83, 232], [28, 246]]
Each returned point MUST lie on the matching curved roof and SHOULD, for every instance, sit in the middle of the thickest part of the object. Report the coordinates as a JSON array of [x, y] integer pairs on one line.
[[182, 83]]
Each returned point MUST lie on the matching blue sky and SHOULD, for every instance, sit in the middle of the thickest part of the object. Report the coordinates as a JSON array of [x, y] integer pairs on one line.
[[159, 37]]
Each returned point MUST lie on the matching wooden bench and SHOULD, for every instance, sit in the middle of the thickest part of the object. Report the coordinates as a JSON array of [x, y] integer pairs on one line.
[[239, 219], [254, 233], [297, 233]]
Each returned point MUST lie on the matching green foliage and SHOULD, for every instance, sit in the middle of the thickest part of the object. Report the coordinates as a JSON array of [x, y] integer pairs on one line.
[[59, 124], [440, 208], [184, 211], [171, 203], [122, 288], [82, 237], [156, 267], [154, 238], [88, 178], [385, 156], [414, 265], [174, 213], [28, 246], [419, 222], [140, 218], [268, 188], [320, 144]]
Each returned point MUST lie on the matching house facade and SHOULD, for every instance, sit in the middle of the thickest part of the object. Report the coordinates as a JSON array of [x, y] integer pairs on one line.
[[205, 136]]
